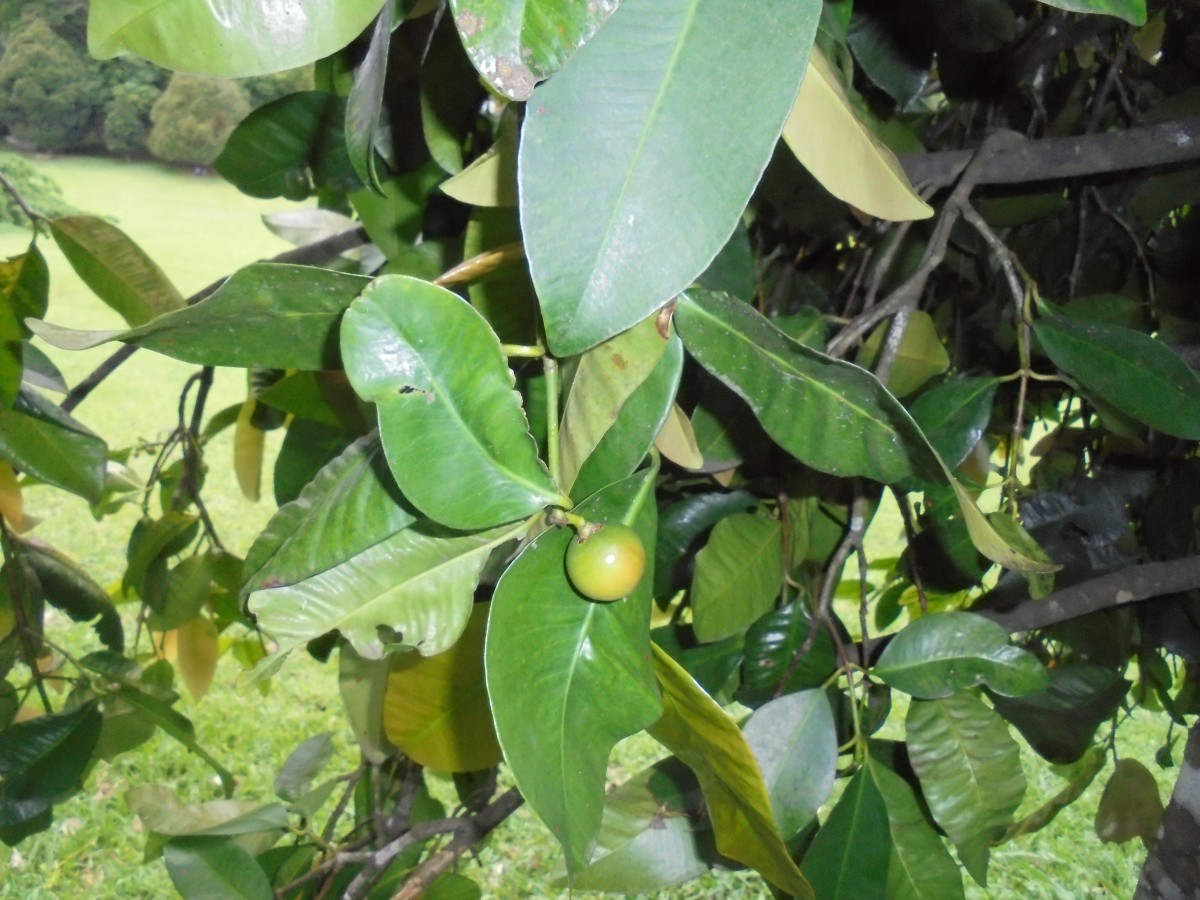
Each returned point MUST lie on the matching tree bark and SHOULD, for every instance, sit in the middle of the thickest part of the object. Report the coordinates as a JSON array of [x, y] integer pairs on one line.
[[1172, 869]]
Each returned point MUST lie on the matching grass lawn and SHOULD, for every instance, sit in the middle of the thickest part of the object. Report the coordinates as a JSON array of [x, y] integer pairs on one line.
[[198, 229]]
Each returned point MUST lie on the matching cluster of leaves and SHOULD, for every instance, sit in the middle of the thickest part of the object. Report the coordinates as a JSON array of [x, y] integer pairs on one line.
[[599, 289]]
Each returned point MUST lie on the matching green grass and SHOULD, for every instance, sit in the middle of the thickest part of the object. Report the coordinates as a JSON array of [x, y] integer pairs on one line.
[[199, 229]]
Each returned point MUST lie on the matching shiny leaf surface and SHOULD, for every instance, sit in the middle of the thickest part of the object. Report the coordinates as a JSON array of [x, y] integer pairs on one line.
[[849, 857], [42, 441]]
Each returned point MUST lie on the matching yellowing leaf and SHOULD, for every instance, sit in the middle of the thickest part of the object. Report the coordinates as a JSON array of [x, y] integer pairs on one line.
[[197, 650], [677, 440], [841, 153], [491, 180], [436, 707], [248, 452], [919, 357], [12, 507]]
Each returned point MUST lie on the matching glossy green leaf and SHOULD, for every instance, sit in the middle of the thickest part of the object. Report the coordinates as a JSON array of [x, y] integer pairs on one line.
[[623, 447], [970, 772], [268, 315], [24, 293], [851, 163], [452, 427], [849, 857], [700, 733], [919, 357], [771, 646], [1132, 11], [365, 104], [290, 148], [605, 378], [413, 589], [349, 507], [847, 424], [175, 725], [945, 652], [796, 745], [233, 38], [208, 868], [69, 587], [516, 45], [42, 441], [713, 666], [656, 213], [1137, 374], [954, 415], [920, 867], [568, 677], [738, 575], [116, 269], [651, 836]]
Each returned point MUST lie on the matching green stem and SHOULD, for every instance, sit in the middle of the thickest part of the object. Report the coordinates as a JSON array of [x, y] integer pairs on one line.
[[523, 351], [550, 367]]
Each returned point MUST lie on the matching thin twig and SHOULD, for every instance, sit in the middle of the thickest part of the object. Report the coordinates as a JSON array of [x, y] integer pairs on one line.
[[910, 535], [16, 195]]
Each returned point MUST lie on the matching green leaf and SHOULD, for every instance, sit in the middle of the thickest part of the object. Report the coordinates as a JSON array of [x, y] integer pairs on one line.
[[920, 867], [738, 574], [24, 293], [630, 438], [683, 524], [116, 269], [954, 415], [307, 448], [656, 213], [365, 104], [289, 148], [605, 378], [69, 587], [415, 587], [267, 315], [828, 414], [919, 357], [304, 764], [363, 686], [215, 869], [42, 441], [651, 836], [699, 732], [1137, 374], [351, 505], [163, 813], [945, 652], [1130, 805], [568, 677], [490, 180], [516, 45], [1132, 11], [450, 97], [970, 772], [233, 38], [830, 141], [772, 643], [796, 745], [394, 214], [849, 857], [452, 426]]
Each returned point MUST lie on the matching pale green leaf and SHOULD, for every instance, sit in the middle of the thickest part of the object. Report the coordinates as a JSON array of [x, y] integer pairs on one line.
[[738, 575]]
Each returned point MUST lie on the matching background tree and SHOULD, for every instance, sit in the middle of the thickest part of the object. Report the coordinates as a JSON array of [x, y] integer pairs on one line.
[[193, 118], [604, 302]]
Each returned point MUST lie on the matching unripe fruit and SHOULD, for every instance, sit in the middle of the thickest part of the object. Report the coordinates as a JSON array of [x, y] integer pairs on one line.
[[607, 565]]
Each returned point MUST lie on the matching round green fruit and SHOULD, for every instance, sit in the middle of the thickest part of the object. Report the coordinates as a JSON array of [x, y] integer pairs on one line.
[[607, 565]]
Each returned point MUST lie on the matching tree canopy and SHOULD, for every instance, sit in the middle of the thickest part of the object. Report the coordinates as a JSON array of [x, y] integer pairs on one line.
[[709, 284]]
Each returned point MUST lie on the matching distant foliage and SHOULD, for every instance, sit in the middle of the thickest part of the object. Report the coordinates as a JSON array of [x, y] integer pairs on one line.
[[194, 117], [48, 91], [262, 89], [127, 118], [40, 191]]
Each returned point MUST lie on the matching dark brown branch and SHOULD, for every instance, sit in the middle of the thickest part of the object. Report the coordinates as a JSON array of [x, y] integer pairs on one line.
[[1053, 159], [1110, 591], [309, 255]]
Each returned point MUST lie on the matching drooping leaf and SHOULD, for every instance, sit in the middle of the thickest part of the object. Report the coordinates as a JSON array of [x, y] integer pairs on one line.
[[954, 414], [830, 141], [656, 76], [795, 743], [1130, 805], [828, 414], [677, 440], [970, 772], [249, 446], [1137, 374], [116, 269], [164, 814], [568, 677], [233, 38], [452, 427], [70, 588], [700, 733], [304, 764], [945, 652], [849, 856], [290, 148], [41, 440], [350, 506], [197, 650], [203, 868], [605, 378], [682, 526], [268, 315], [365, 104], [516, 45], [24, 293], [738, 575], [919, 357], [436, 707], [624, 445], [415, 586], [451, 96], [363, 686], [1132, 11], [307, 448], [652, 835], [920, 866]]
